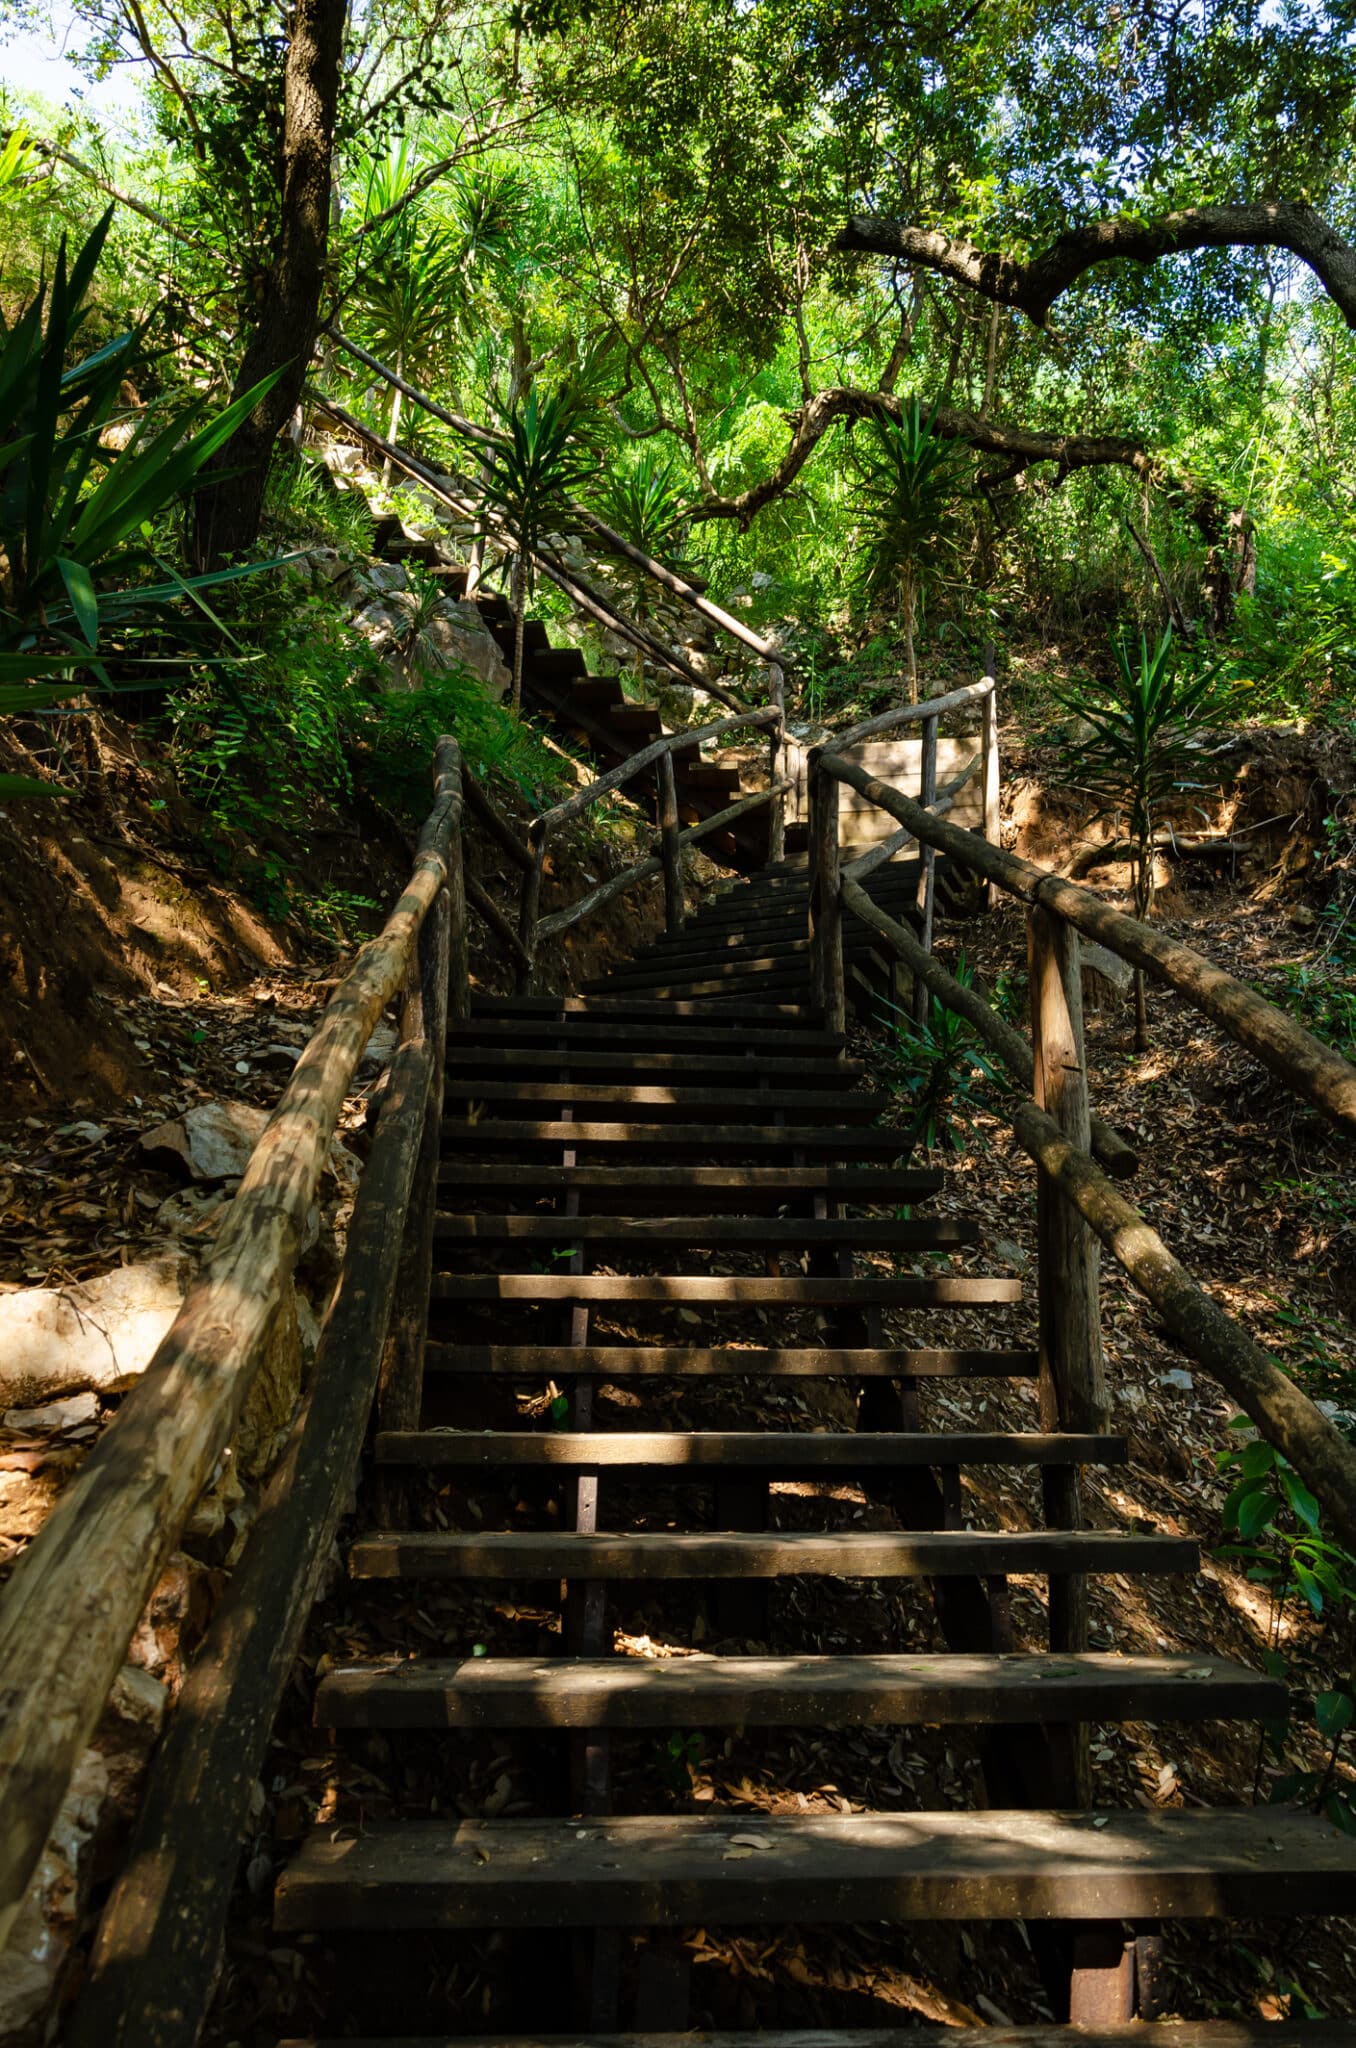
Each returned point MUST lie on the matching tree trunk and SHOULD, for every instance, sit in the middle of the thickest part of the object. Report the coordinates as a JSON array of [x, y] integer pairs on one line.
[[393, 431], [519, 620], [289, 308], [909, 593]]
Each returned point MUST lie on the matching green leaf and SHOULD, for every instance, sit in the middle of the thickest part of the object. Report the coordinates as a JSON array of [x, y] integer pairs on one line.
[[24, 786], [1333, 1713], [84, 599]]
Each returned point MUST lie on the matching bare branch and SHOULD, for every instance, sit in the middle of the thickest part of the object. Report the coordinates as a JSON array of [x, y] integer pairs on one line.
[[1033, 285]]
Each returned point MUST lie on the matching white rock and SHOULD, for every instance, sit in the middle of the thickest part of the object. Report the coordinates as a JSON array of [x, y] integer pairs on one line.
[[384, 576], [97, 1333], [1177, 1378], [68, 1414], [211, 1141]]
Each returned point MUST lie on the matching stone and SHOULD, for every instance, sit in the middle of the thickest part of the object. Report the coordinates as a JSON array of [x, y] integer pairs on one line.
[[460, 638], [99, 1333], [382, 577], [1177, 1378], [211, 1141], [1106, 977], [69, 1414], [379, 1050]]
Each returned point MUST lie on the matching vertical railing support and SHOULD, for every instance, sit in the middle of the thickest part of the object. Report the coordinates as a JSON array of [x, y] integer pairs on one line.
[[453, 901], [670, 850], [927, 797], [826, 901], [529, 905], [776, 816], [989, 766], [1072, 1374]]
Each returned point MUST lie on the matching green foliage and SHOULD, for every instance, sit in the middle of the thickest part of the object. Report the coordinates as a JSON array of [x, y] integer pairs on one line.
[[910, 481], [1278, 1529], [940, 1071], [303, 504]]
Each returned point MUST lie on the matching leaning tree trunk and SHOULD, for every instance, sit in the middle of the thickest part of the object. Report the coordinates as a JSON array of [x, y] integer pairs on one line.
[[909, 594], [519, 620], [288, 318]]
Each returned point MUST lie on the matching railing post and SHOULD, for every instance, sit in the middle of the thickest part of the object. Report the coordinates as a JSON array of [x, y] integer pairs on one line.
[[1072, 1376], [776, 817], [528, 907], [453, 900], [927, 797], [669, 845], [989, 768], [826, 900]]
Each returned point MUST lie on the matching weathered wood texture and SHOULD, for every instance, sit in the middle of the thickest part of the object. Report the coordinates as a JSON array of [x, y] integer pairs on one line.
[[1163, 2034], [1307, 1066], [826, 900], [1015, 1052], [850, 1691], [527, 1361], [75, 1596], [865, 828], [549, 822], [494, 821], [698, 1451], [1285, 1416], [160, 1937], [847, 1554], [670, 850], [484, 903], [675, 1870]]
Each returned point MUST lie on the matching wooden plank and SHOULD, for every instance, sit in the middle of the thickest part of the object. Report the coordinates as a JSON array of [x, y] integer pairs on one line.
[[721, 1290], [597, 1095], [495, 1133], [731, 1233], [76, 1594], [842, 1184], [622, 1361], [649, 1870], [734, 1064], [786, 1039], [722, 1554], [158, 1948], [1129, 2034], [694, 1452], [788, 1692], [620, 1010]]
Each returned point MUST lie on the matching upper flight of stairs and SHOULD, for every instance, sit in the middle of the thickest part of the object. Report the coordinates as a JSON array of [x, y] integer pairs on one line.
[[679, 1182]]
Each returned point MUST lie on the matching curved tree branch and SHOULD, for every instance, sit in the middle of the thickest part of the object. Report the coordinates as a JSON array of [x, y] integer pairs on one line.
[[1017, 447], [1032, 285]]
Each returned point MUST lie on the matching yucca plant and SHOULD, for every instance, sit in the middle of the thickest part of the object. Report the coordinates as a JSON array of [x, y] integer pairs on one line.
[[647, 502], [1145, 733], [910, 482], [543, 454]]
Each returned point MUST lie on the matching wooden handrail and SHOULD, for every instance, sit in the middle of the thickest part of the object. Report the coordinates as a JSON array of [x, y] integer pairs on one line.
[[549, 822], [876, 856], [77, 1593], [1307, 1066], [1015, 1051], [910, 714], [654, 864], [494, 822]]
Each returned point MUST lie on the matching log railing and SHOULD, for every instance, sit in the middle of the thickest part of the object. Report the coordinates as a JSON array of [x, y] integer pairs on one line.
[[1079, 1211], [658, 756], [78, 1592]]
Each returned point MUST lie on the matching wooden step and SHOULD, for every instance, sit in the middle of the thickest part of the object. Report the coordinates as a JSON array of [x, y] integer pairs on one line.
[[680, 1869], [726, 1361], [605, 1010], [782, 1041], [1042, 2034], [487, 1134], [733, 1290], [529, 1554], [750, 1189], [727, 1233], [732, 983], [689, 1454], [722, 1069], [789, 1692], [693, 1104]]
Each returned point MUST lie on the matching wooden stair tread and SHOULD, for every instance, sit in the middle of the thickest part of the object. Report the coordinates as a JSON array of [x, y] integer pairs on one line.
[[627, 1361], [1040, 2034], [727, 1290], [660, 1095], [497, 1132], [653, 1870], [788, 1692], [728, 1233], [724, 1554], [685, 1453], [607, 1009], [755, 1185], [730, 1067], [786, 1040]]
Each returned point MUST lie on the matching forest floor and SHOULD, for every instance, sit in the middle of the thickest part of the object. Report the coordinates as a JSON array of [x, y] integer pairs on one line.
[[181, 1001]]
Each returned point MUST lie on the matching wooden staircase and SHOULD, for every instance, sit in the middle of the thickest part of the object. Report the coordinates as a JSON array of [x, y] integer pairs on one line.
[[676, 1182]]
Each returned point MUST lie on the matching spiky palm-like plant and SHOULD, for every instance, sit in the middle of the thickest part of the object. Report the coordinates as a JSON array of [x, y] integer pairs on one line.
[[910, 484], [543, 454], [647, 502], [1145, 730]]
